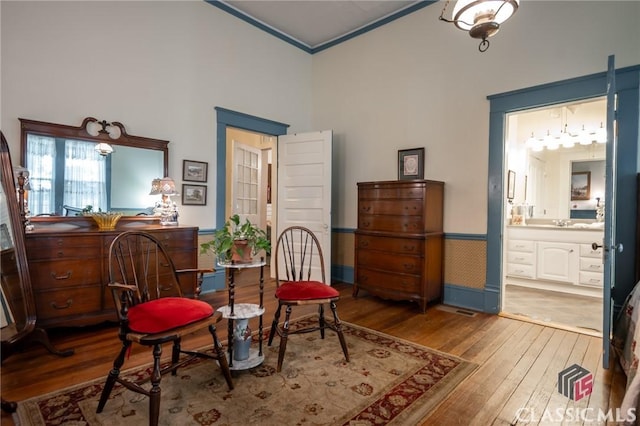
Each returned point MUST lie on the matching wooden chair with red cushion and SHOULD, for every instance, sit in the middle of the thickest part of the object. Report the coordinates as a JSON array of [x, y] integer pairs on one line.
[[152, 311], [300, 280]]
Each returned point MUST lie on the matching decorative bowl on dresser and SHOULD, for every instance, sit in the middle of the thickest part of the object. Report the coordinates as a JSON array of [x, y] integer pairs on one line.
[[399, 240]]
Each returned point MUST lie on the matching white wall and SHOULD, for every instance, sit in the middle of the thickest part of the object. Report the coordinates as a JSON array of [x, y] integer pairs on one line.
[[420, 82], [161, 67], [158, 67]]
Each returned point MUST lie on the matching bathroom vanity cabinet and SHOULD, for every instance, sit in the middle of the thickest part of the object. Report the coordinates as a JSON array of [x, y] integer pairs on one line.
[[547, 256]]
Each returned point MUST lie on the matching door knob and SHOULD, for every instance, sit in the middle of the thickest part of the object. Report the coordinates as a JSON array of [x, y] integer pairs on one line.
[[618, 247]]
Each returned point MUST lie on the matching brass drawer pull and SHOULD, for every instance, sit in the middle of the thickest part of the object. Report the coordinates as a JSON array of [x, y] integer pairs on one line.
[[408, 267], [61, 277], [67, 306], [364, 243], [409, 248]]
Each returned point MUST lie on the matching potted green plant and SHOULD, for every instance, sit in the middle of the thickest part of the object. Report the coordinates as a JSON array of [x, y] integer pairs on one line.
[[237, 241]]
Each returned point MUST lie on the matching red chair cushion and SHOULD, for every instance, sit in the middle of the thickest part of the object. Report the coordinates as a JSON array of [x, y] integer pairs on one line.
[[305, 290], [167, 313]]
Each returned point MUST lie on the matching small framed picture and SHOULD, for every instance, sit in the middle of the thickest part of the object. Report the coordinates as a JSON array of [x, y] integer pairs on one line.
[[580, 186], [511, 185], [194, 195], [411, 164], [194, 171]]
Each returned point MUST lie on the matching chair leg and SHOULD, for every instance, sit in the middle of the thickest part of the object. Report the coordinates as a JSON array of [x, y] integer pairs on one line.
[[113, 376], [175, 356], [222, 358], [338, 326], [274, 325], [283, 338], [155, 392], [321, 320]]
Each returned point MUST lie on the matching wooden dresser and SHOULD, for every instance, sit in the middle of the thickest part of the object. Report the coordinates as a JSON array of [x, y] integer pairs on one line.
[[399, 240], [69, 271]]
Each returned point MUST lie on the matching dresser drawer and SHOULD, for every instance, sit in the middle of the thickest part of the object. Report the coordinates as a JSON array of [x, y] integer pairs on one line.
[[386, 192], [403, 224], [68, 302], [521, 245], [591, 264], [592, 279], [62, 247], [70, 272], [396, 263], [587, 251], [518, 270], [391, 207], [388, 281], [390, 245], [522, 258]]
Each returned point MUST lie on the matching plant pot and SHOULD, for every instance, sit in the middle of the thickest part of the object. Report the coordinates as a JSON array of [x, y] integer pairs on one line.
[[241, 252]]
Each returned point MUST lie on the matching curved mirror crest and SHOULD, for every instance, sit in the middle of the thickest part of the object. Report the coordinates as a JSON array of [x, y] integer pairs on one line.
[[96, 166], [17, 312]]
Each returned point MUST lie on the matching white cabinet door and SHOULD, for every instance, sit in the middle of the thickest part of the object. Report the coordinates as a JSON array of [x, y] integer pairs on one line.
[[558, 261]]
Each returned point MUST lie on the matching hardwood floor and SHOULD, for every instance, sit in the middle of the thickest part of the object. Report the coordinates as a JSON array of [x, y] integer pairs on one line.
[[518, 361]]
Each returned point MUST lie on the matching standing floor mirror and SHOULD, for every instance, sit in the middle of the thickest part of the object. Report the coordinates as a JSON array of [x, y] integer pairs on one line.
[[17, 306]]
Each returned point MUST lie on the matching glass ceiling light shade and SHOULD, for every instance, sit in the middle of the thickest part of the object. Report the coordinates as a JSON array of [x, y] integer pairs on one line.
[[482, 18], [601, 134], [104, 149]]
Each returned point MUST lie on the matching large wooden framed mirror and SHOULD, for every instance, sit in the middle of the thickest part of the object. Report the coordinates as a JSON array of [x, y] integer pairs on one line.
[[17, 305], [70, 170]]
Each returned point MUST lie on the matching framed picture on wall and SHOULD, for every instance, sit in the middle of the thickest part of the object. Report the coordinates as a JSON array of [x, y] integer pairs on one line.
[[194, 171], [411, 164], [580, 186], [194, 195]]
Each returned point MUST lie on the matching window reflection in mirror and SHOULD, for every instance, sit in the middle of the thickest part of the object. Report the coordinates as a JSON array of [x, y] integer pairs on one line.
[[67, 172], [68, 175]]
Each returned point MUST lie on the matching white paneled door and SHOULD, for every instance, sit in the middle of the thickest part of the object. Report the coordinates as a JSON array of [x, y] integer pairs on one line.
[[304, 186]]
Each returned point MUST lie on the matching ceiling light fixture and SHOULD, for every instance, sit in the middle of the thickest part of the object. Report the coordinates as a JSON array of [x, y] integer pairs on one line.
[[482, 18], [95, 128]]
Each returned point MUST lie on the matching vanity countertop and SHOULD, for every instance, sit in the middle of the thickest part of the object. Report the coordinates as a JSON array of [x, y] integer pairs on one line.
[[596, 227]]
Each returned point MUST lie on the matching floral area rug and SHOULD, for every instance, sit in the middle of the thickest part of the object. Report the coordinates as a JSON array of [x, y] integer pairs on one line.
[[387, 381]]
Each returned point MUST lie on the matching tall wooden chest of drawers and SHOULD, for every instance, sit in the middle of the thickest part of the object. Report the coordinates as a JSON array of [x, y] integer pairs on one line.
[[69, 270], [399, 240]]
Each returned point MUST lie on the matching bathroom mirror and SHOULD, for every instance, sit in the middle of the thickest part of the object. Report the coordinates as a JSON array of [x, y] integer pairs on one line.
[[65, 162]]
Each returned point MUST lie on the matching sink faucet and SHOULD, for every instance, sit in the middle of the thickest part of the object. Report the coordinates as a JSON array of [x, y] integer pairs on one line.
[[561, 222]]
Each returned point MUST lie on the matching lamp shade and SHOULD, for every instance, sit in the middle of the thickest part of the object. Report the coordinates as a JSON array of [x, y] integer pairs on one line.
[[164, 186], [168, 186]]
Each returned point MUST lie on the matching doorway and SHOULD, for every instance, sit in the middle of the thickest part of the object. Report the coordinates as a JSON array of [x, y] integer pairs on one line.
[[550, 273]]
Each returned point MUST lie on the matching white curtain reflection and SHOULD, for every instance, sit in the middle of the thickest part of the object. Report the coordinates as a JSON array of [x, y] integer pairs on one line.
[[41, 154], [85, 175]]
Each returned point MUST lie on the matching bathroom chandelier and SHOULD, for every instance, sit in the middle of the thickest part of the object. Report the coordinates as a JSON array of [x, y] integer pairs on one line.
[[567, 139], [482, 18]]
